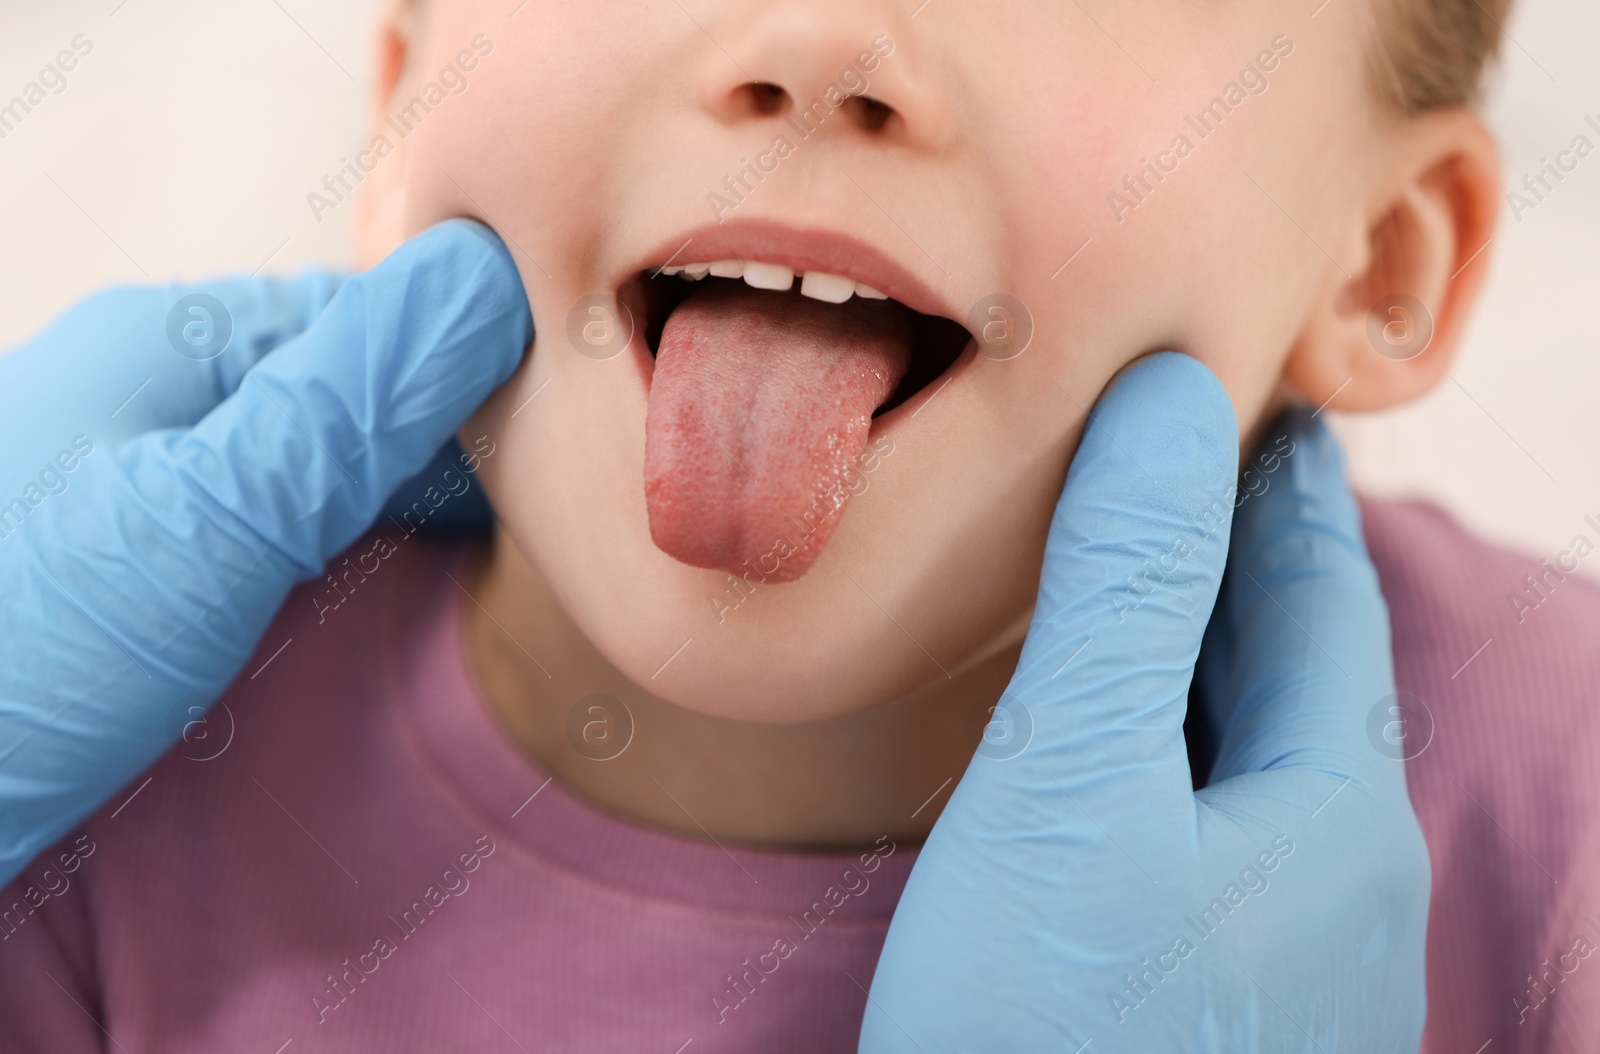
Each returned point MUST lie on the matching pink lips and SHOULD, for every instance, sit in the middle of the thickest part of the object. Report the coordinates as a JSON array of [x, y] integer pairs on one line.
[[802, 250]]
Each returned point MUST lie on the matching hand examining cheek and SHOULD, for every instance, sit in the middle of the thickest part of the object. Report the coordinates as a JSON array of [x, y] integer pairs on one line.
[[216, 445], [1076, 889]]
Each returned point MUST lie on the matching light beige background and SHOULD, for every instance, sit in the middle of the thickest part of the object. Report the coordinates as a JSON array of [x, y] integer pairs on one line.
[[185, 144]]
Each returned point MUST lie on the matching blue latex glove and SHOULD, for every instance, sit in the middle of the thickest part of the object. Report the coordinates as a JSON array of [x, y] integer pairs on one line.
[[1077, 894], [149, 534]]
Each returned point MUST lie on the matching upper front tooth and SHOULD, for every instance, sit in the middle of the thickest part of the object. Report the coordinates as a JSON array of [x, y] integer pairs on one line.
[[728, 268], [862, 289], [672, 270], [768, 276], [696, 271], [819, 285]]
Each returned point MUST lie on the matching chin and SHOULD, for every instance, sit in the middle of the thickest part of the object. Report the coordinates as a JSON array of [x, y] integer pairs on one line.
[[864, 625]]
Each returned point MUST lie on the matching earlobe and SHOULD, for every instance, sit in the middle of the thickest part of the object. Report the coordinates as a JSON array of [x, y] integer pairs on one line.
[[1388, 334]]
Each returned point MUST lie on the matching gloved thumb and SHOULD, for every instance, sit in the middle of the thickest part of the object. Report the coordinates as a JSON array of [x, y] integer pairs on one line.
[[1136, 552], [322, 430]]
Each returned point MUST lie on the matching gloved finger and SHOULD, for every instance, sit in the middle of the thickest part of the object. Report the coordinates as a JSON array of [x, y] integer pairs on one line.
[[1213, 674], [131, 359], [181, 545], [1309, 655], [445, 495], [1136, 550], [365, 397]]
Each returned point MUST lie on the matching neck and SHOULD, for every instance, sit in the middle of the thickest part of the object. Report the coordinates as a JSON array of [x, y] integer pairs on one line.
[[838, 783]]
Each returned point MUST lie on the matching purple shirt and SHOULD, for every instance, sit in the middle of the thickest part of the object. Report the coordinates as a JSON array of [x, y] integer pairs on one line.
[[353, 857], [1508, 789]]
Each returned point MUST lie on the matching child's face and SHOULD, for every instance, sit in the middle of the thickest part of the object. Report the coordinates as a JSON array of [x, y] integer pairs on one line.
[[593, 136]]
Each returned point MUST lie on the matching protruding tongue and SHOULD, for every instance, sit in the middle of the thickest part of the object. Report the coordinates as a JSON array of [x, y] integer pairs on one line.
[[759, 409]]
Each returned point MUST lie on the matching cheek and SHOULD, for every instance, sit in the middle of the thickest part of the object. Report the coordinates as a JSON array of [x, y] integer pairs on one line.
[[528, 147], [1105, 252], [1140, 233]]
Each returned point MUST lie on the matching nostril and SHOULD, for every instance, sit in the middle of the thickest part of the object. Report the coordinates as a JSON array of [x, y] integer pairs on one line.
[[870, 113], [764, 98]]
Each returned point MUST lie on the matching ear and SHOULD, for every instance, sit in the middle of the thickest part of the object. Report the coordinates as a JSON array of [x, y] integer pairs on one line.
[[380, 206], [1386, 335]]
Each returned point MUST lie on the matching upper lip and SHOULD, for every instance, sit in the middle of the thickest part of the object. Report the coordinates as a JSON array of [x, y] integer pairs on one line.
[[813, 249]]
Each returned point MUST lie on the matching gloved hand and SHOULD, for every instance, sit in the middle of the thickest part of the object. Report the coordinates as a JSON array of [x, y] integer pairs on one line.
[[1077, 894], [157, 506]]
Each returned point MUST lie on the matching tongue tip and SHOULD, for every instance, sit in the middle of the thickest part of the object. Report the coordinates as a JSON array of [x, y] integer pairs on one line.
[[686, 539], [763, 568]]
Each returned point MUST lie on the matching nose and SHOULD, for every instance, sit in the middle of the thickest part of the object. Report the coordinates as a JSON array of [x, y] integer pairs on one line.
[[824, 65]]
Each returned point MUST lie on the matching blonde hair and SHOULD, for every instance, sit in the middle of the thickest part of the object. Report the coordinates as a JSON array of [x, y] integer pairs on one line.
[[1431, 54]]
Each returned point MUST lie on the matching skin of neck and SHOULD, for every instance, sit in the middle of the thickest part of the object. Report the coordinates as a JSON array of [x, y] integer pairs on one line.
[[834, 784]]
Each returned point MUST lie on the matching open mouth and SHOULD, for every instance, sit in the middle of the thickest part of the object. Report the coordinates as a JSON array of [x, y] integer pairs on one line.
[[767, 378], [937, 342]]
